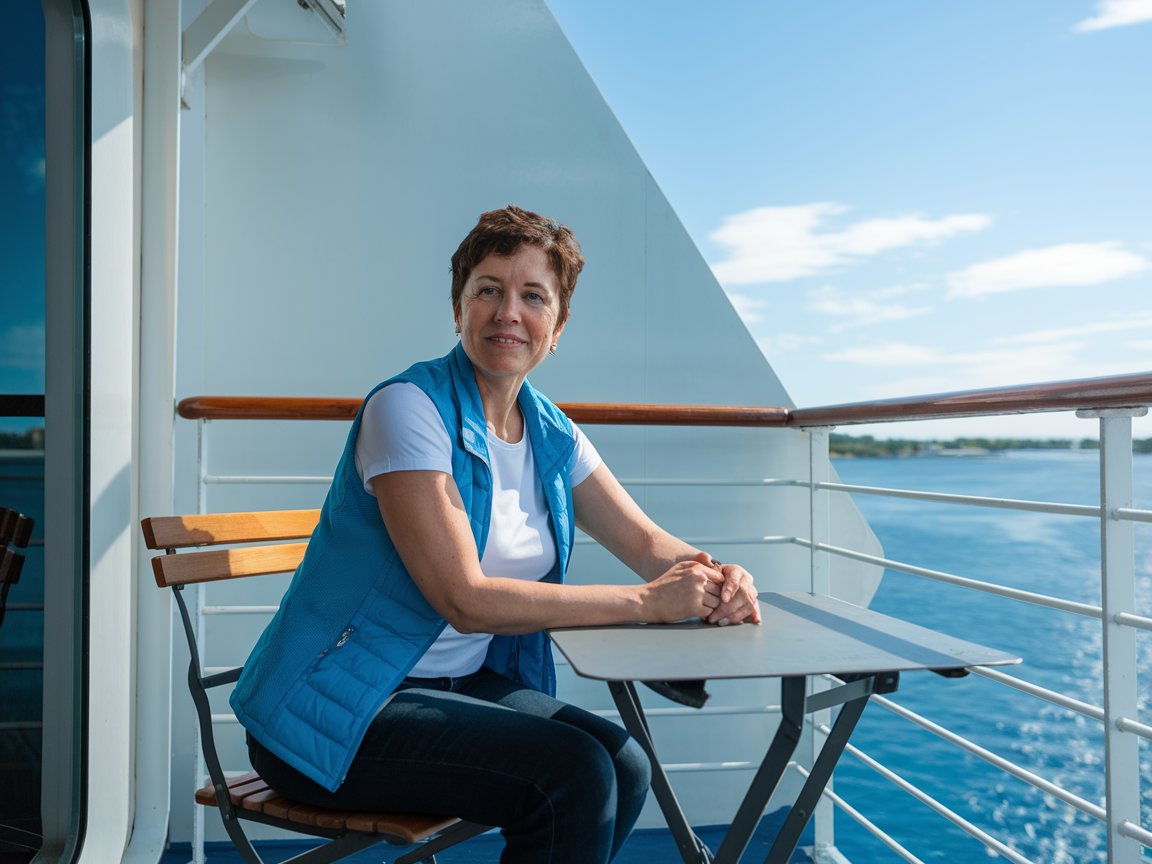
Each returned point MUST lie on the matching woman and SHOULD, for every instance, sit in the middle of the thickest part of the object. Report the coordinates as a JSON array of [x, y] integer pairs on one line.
[[407, 668]]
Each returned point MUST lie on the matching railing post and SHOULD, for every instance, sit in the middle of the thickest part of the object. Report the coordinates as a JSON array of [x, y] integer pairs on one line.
[[1118, 595], [820, 582], [201, 465], [199, 767], [819, 501]]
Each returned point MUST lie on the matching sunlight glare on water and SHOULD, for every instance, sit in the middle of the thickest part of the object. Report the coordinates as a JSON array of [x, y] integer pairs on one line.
[[1048, 553]]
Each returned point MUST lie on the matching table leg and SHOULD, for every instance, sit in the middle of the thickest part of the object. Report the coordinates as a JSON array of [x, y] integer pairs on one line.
[[785, 843], [692, 849], [768, 776]]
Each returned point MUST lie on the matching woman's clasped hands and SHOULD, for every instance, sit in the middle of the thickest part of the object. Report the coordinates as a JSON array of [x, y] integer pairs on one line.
[[704, 588]]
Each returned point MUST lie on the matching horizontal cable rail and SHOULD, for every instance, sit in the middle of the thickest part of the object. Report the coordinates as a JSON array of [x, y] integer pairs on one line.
[[239, 610], [1142, 835], [862, 820], [1125, 724], [302, 479], [973, 500], [734, 765], [942, 809], [1091, 711], [941, 576], [705, 711], [1134, 515], [269, 479], [1033, 779], [1131, 620], [768, 539]]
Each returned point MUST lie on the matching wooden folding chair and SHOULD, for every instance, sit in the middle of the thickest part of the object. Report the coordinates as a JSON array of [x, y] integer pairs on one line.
[[248, 797], [15, 530]]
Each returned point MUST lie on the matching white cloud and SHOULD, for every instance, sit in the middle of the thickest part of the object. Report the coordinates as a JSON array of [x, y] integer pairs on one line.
[[1117, 13], [783, 343], [862, 310], [1138, 321], [900, 290], [967, 370], [775, 244], [1053, 266], [889, 354], [748, 308]]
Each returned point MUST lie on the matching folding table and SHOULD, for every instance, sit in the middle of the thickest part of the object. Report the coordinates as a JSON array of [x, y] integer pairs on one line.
[[801, 636]]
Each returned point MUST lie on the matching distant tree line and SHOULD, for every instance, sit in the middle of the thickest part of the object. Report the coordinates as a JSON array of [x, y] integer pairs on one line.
[[867, 445]]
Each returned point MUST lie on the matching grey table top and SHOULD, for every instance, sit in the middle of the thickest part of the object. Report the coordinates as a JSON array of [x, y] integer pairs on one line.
[[801, 634]]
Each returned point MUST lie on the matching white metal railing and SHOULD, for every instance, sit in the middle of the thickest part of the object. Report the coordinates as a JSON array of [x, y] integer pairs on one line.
[[1117, 615], [1119, 622]]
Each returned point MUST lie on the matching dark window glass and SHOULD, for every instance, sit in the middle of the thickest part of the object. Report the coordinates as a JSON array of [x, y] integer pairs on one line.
[[22, 237]]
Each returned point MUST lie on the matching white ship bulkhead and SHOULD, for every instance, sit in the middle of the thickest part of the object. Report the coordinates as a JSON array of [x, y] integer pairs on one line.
[[278, 221]]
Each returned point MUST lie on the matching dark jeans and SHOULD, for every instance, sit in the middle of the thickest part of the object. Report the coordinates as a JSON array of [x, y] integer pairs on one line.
[[564, 785]]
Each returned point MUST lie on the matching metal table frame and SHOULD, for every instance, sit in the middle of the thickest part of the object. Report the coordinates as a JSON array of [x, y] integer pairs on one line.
[[836, 637]]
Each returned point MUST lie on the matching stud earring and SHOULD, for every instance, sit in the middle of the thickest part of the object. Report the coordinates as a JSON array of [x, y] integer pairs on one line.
[[552, 350]]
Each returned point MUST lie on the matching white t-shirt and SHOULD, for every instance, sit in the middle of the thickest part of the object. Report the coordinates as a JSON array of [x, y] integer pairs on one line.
[[401, 430]]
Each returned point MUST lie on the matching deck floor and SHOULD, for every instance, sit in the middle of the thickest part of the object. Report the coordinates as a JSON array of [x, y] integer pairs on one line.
[[645, 846]]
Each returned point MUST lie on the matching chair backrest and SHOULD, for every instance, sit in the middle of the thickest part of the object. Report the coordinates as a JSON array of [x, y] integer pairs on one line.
[[258, 545], [203, 562], [15, 527], [169, 533]]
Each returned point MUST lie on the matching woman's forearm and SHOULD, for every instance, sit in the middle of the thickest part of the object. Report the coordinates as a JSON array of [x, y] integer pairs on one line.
[[664, 550], [500, 605]]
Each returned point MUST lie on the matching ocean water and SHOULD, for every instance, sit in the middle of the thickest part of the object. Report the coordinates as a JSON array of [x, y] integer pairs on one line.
[[1051, 554]]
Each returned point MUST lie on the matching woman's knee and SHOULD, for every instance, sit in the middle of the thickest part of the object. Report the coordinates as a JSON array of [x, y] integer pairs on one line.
[[633, 770], [582, 763]]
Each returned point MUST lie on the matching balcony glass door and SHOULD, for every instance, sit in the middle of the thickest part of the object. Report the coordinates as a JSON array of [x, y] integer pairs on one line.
[[22, 304]]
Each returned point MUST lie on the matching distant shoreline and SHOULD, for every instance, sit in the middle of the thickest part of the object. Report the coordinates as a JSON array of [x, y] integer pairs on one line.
[[866, 446]]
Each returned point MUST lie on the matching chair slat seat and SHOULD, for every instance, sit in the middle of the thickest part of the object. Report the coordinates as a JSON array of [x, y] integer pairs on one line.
[[250, 792]]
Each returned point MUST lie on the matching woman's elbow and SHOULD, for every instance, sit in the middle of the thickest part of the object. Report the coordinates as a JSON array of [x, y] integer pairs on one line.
[[462, 618]]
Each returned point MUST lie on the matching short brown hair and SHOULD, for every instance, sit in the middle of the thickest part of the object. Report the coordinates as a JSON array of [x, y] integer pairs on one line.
[[502, 232]]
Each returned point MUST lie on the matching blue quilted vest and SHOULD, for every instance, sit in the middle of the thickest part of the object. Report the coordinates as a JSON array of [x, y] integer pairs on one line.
[[353, 623]]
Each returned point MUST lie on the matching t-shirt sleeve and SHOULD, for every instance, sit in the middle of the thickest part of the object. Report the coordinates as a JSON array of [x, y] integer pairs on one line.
[[401, 430], [587, 459]]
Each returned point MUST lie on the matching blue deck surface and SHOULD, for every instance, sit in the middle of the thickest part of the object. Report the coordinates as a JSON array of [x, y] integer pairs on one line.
[[645, 846]]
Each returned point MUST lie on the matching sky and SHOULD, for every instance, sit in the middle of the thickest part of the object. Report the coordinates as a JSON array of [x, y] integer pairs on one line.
[[899, 197], [903, 198]]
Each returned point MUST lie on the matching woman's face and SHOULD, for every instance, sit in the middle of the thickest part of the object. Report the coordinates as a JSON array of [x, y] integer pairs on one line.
[[508, 314]]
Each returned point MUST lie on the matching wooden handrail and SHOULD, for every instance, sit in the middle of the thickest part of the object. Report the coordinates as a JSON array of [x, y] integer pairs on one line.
[[1120, 391], [267, 408], [304, 408]]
